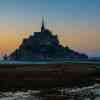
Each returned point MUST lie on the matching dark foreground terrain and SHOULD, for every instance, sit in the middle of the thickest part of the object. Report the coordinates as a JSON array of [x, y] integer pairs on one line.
[[34, 76]]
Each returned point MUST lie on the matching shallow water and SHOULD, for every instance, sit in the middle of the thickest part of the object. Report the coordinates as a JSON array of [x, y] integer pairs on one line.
[[83, 93], [47, 62]]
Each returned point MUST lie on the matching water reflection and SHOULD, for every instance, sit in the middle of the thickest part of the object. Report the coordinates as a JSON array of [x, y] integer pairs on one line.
[[86, 93]]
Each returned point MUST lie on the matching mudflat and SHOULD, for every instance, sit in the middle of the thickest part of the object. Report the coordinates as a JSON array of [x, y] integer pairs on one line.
[[46, 71], [22, 75]]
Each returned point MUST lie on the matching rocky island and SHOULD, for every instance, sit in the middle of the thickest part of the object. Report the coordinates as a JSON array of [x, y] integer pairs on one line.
[[44, 45]]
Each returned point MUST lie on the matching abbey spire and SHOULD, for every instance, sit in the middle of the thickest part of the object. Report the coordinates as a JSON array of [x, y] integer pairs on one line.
[[43, 26]]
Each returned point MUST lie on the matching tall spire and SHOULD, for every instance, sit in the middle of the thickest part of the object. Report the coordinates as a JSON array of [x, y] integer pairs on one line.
[[43, 26]]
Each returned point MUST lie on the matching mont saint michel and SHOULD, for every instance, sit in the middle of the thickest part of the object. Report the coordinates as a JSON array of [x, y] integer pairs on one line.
[[44, 45]]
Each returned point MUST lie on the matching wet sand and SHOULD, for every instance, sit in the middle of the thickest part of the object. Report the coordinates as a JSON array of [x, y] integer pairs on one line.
[[46, 75]]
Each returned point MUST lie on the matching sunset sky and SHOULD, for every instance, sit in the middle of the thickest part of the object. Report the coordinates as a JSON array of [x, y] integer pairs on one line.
[[76, 22]]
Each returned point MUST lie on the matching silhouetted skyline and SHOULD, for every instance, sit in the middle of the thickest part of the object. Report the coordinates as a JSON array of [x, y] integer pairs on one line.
[[44, 45]]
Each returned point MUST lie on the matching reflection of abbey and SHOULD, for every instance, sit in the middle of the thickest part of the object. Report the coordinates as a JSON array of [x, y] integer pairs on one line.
[[42, 46]]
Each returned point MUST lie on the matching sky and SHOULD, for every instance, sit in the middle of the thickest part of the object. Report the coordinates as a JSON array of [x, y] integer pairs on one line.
[[76, 22]]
